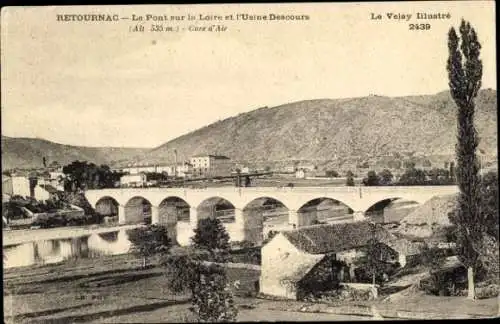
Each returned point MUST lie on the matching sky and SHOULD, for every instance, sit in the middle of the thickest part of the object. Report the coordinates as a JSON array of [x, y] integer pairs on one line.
[[98, 84]]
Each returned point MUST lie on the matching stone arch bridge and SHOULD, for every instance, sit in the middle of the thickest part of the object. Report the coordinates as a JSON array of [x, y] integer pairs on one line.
[[162, 203]]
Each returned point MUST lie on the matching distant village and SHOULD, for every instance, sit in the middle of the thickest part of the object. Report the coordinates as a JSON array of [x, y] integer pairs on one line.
[[40, 183]]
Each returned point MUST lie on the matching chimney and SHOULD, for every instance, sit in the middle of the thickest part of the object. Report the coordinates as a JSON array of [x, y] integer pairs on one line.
[[175, 165]]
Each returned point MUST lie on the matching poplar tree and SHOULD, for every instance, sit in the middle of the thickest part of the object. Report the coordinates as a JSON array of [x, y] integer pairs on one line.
[[465, 72]]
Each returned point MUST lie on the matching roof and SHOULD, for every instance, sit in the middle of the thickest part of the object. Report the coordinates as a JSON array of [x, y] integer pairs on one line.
[[219, 157], [321, 239], [405, 246]]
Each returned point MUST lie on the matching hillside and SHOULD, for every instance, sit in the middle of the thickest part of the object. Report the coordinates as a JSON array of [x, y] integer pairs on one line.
[[29, 152], [428, 218], [324, 129]]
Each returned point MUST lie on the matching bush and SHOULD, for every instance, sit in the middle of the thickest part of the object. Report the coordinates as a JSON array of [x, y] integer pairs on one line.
[[61, 220], [490, 257], [242, 245], [211, 235], [210, 295], [341, 294], [317, 222], [248, 255], [181, 269], [445, 283], [212, 298], [270, 236], [332, 174], [49, 221], [489, 291], [150, 240]]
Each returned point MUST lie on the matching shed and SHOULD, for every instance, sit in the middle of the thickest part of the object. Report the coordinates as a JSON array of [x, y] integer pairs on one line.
[[291, 255]]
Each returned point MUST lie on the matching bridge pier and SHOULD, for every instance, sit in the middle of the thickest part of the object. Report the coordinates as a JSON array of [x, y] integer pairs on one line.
[[193, 217], [155, 214], [359, 216], [237, 230], [294, 218], [121, 215], [184, 230]]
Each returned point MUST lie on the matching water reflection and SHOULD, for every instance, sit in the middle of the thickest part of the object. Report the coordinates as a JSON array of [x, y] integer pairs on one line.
[[59, 250], [116, 242]]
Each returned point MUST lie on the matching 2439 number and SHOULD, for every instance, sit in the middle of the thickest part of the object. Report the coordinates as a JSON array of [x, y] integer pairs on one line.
[[420, 26]]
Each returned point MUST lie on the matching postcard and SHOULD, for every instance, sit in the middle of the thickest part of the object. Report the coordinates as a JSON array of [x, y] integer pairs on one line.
[[249, 162]]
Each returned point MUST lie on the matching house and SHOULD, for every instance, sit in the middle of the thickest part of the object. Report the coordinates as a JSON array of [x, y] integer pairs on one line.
[[54, 179], [318, 256], [209, 165], [300, 174], [133, 180], [19, 185], [45, 192], [408, 251], [307, 167], [183, 170]]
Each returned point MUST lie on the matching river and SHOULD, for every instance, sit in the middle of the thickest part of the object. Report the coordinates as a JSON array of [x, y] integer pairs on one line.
[[49, 251], [59, 244]]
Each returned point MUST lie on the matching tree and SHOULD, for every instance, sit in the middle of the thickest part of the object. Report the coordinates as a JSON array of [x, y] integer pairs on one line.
[[372, 179], [350, 179], [371, 261], [332, 174], [212, 236], [394, 164], [409, 164], [386, 177], [83, 175], [270, 236], [465, 82], [237, 180], [489, 206], [181, 264], [412, 177], [452, 172], [148, 241], [434, 258], [187, 270], [364, 165], [212, 298]]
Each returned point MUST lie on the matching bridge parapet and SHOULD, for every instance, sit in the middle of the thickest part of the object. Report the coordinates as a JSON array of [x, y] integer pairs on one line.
[[357, 198]]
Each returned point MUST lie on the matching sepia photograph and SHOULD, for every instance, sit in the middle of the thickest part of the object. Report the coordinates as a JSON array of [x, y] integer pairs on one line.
[[277, 162]]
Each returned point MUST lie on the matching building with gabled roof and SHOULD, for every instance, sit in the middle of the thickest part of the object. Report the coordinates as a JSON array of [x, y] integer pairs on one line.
[[290, 257]]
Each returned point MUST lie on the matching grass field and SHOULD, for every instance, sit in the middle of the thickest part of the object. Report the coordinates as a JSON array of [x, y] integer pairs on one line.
[[116, 289]]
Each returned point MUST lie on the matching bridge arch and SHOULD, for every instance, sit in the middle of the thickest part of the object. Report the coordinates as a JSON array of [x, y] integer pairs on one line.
[[107, 206], [320, 209], [174, 212], [137, 210], [379, 211], [216, 207], [262, 215]]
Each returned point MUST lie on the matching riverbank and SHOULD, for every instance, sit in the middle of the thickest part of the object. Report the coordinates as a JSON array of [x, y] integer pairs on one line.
[[116, 289]]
